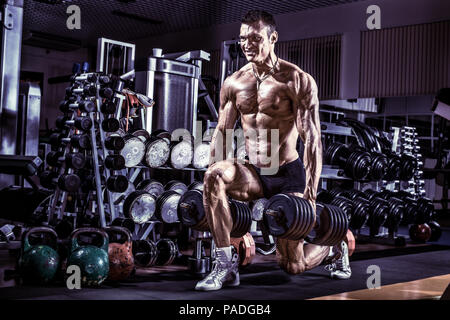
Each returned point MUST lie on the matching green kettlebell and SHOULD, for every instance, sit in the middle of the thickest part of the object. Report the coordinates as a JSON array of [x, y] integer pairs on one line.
[[38, 263], [93, 261]]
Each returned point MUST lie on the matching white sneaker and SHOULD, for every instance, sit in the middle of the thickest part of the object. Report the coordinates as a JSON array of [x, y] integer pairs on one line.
[[340, 269], [224, 272]]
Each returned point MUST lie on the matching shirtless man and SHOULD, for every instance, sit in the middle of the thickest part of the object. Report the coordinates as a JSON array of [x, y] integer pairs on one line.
[[267, 93]]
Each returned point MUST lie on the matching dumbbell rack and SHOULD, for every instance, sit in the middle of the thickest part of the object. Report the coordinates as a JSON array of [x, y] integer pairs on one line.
[[58, 201], [405, 142]]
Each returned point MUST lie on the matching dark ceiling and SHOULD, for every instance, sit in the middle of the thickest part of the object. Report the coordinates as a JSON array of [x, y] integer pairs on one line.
[[128, 20]]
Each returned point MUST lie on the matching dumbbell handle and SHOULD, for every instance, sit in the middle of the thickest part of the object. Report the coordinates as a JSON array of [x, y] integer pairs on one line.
[[275, 213], [91, 77]]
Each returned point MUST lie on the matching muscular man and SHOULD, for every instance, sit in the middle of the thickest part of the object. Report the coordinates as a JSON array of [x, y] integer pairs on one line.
[[267, 93]]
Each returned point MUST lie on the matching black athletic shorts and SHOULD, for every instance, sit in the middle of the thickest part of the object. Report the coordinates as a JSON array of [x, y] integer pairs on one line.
[[289, 178]]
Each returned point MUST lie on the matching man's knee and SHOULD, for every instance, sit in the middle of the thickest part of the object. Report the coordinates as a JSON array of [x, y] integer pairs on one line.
[[292, 267]]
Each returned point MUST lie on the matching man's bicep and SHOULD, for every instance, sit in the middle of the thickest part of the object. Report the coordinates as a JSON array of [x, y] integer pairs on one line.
[[307, 118], [227, 111]]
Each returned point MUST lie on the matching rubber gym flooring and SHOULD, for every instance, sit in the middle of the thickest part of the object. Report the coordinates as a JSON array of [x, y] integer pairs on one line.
[[412, 272]]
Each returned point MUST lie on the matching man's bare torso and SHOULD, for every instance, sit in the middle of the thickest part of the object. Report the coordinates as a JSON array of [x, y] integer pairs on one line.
[[272, 106]]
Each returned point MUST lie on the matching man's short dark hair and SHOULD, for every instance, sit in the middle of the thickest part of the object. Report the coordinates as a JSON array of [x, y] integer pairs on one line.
[[259, 15]]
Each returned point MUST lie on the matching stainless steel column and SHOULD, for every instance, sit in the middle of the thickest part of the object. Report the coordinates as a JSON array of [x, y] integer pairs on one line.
[[11, 41]]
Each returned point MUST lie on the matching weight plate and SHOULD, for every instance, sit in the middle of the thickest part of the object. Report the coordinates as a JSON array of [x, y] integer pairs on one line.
[[278, 224], [142, 134], [162, 134], [157, 152], [167, 205], [143, 252], [133, 152], [176, 186], [258, 209], [181, 155], [196, 185], [139, 206], [201, 156], [190, 208], [296, 230], [335, 225], [151, 186]]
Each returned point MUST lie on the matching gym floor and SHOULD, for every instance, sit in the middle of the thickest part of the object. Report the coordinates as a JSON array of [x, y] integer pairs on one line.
[[417, 271]]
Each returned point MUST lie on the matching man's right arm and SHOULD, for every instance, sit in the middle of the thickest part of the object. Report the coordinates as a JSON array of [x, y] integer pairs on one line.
[[227, 118]]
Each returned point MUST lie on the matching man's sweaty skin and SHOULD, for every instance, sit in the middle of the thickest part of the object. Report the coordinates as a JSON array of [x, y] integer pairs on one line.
[[286, 100]]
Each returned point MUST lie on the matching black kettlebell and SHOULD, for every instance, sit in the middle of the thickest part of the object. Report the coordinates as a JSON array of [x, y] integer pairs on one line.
[[436, 230]]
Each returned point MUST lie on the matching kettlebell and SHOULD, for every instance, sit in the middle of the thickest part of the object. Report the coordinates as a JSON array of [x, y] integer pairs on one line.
[[38, 263], [436, 230], [420, 232], [93, 261], [121, 261]]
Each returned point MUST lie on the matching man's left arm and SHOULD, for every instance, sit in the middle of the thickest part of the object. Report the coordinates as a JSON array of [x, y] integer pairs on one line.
[[308, 125]]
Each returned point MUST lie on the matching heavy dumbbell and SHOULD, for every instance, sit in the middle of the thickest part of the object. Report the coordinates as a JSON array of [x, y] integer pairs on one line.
[[288, 217], [167, 252], [133, 151], [89, 183], [166, 206], [181, 154], [126, 223], [393, 167], [114, 142], [141, 134], [151, 186], [192, 213], [106, 92], [324, 196], [80, 123], [145, 253], [356, 164], [345, 204], [80, 141], [67, 182], [176, 186], [200, 158], [331, 226], [74, 160], [117, 183], [196, 185], [108, 107], [378, 166], [157, 152], [110, 125], [83, 106], [114, 162], [89, 91], [162, 134], [139, 206], [379, 212], [408, 166], [425, 210]]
